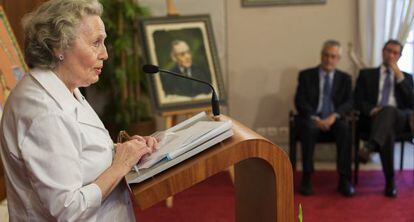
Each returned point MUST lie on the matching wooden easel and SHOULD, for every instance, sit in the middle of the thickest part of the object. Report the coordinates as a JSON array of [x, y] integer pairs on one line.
[[171, 10], [171, 118]]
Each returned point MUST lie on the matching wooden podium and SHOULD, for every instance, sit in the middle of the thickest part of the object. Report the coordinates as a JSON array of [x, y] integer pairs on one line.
[[263, 177]]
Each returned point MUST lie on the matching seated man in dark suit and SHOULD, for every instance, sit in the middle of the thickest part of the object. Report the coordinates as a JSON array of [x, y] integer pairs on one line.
[[323, 97], [181, 55], [385, 98]]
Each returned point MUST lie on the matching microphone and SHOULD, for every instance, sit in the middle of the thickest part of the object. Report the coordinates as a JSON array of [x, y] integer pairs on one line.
[[152, 69]]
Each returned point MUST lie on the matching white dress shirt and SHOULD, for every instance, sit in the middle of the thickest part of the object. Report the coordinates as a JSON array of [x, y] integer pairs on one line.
[[53, 147]]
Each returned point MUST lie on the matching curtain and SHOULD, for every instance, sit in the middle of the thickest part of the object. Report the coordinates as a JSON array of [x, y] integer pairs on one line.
[[379, 21]]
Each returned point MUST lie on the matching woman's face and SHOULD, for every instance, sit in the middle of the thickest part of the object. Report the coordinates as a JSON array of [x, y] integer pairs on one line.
[[83, 60]]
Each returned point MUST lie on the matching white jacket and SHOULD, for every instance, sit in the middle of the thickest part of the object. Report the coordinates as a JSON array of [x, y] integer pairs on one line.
[[53, 146]]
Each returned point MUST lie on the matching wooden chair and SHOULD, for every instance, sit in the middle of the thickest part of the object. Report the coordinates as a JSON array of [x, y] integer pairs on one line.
[[294, 136]]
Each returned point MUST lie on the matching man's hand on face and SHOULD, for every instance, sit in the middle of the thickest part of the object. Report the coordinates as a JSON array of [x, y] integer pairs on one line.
[[397, 72], [390, 56]]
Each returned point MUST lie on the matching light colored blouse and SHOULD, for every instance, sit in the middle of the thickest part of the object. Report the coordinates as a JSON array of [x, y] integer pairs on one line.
[[53, 146]]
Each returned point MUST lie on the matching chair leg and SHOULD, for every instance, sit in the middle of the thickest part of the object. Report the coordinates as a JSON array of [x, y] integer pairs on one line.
[[169, 202], [292, 152], [356, 161], [231, 173], [402, 156]]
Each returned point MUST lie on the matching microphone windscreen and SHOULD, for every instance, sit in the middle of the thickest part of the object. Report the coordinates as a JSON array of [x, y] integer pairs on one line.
[[150, 68]]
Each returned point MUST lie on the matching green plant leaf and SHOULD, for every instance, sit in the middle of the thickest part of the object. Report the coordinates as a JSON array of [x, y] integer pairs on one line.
[[123, 82]]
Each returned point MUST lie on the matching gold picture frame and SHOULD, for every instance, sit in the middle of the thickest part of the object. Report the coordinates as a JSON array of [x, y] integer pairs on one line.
[[169, 93], [255, 3]]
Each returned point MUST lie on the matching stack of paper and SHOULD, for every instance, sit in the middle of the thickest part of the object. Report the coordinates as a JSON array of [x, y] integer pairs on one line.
[[181, 142]]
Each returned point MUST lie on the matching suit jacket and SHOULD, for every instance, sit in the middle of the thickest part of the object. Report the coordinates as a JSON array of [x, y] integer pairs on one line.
[[307, 93], [184, 87], [367, 89]]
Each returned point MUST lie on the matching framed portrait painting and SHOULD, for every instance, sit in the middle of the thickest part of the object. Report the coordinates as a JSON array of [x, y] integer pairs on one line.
[[252, 3], [12, 65], [184, 45]]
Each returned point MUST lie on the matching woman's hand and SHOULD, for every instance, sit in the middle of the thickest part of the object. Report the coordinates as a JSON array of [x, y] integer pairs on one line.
[[151, 142], [128, 154]]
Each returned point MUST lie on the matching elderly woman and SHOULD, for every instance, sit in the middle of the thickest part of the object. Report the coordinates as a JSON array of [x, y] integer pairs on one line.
[[57, 155]]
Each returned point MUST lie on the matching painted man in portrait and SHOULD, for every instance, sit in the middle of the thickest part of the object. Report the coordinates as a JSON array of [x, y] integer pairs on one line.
[[183, 59]]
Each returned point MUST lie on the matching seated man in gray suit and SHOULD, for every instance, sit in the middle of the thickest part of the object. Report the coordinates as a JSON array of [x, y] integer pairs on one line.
[[384, 96], [323, 97], [183, 58]]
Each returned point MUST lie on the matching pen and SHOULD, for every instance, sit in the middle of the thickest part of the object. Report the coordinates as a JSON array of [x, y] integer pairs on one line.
[[124, 136]]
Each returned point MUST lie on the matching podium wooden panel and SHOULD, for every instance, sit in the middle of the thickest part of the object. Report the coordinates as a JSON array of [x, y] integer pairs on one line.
[[263, 177]]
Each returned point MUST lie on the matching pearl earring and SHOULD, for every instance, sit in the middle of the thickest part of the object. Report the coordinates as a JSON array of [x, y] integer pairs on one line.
[[61, 57]]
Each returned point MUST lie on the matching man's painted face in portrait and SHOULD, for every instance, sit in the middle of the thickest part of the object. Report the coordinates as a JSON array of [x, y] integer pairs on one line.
[[182, 55]]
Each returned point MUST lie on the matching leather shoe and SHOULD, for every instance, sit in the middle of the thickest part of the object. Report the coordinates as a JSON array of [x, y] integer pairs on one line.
[[390, 190], [306, 185], [346, 188]]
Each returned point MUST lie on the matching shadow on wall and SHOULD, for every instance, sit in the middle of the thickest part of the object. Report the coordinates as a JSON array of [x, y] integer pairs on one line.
[[272, 119]]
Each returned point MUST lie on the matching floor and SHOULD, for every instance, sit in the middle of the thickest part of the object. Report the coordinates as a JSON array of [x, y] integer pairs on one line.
[[325, 165]]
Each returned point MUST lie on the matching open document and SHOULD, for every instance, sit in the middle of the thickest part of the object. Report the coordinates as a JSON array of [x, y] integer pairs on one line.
[[181, 142]]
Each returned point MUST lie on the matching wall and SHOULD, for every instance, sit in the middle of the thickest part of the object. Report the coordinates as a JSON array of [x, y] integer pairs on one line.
[[268, 46], [263, 48]]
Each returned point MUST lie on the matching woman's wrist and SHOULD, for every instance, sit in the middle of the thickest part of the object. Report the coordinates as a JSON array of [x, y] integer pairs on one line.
[[122, 168]]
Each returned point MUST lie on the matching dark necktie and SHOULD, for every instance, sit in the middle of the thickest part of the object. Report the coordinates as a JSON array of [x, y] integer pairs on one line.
[[386, 89], [326, 97]]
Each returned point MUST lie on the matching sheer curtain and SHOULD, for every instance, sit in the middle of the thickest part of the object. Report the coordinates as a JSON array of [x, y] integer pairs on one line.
[[379, 21]]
